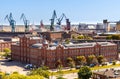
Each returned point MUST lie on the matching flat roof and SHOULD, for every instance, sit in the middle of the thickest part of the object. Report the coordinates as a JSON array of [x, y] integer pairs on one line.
[[79, 45]]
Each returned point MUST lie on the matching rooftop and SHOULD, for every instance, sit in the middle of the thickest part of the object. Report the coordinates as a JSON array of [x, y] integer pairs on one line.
[[71, 45], [111, 74], [81, 45]]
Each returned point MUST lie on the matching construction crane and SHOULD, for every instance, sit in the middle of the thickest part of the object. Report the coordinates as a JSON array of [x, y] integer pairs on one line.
[[26, 22], [11, 21], [52, 20]]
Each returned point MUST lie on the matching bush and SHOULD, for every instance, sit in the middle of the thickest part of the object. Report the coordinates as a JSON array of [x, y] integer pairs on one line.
[[84, 72], [15, 73], [60, 77], [40, 72], [113, 63]]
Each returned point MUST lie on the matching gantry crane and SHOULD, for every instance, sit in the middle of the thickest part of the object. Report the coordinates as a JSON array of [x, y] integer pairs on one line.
[[67, 21], [52, 20], [26, 22], [61, 18], [12, 22]]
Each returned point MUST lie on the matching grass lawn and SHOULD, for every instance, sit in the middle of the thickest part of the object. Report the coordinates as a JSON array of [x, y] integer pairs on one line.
[[92, 68], [104, 67]]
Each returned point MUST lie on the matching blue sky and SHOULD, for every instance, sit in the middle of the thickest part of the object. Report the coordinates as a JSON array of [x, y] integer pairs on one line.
[[76, 10]]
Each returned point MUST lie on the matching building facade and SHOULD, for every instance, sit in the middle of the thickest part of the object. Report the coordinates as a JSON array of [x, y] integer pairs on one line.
[[5, 44], [37, 51]]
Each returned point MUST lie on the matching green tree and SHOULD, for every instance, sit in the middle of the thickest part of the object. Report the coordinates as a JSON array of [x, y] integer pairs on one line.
[[90, 58], [2, 75], [109, 37], [84, 73], [114, 37], [7, 52], [114, 63], [67, 41], [45, 68], [15, 76], [88, 37], [70, 62], [95, 61], [18, 76], [100, 59], [81, 60], [59, 64], [35, 77], [40, 72], [73, 37], [59, 77], [80, 37]]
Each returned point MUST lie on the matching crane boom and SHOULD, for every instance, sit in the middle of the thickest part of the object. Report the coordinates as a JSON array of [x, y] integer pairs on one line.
[[11, 21], [61, 18], [52, 20], [26, 22], [67, 21]]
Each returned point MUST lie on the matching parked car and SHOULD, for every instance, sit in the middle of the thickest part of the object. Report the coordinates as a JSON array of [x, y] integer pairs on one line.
[[92, 65], [78, 67], [9, 60], [28, 66]]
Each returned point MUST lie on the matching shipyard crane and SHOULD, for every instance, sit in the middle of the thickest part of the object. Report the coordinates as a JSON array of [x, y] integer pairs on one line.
[[67, 21], [52, 20], [68, 24], [61, 18], [26, 22], [12, 22]]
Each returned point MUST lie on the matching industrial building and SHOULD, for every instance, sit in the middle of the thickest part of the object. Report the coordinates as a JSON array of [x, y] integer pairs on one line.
[[37, 51]]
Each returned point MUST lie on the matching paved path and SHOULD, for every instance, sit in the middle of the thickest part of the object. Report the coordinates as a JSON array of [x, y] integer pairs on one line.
[[13, 66], [67, 76], [10, 67]]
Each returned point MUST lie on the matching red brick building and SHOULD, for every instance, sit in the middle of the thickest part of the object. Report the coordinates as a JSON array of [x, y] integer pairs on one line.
[[5, 44], [34, 50]]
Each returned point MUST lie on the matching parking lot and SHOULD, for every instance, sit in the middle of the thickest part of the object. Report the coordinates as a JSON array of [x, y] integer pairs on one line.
[[12, 66]]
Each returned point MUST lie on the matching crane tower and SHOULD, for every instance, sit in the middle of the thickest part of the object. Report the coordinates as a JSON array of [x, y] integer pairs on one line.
[[26, 22], [52, 20], [11, 21]]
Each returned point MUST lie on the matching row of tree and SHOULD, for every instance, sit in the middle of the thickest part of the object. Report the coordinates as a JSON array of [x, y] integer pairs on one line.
[[81, 37], [82, 60], [114, 37]]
